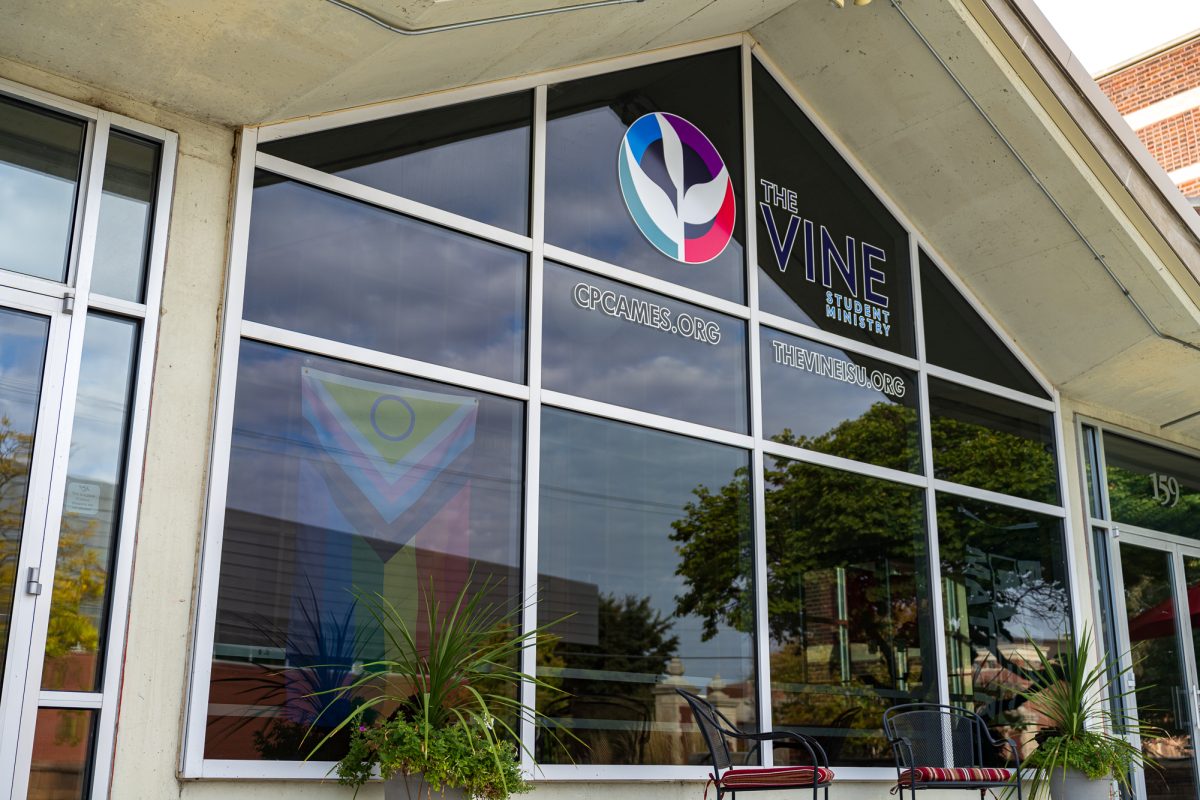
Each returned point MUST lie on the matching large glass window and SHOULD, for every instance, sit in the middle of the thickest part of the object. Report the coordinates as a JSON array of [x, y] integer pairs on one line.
[[345, 480], [674, 411], [655, 560], [585, 211], [1005, 588], [1152, 487], [837, 402], [830, 254], [471, 158], [848, 606], [992, 443], [607, 341], [377, 279], [959, 339]]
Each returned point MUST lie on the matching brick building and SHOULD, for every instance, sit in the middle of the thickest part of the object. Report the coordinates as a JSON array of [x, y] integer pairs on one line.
[[1158, 94]]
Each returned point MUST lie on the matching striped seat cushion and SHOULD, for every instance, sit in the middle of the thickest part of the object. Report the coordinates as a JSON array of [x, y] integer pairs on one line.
[[955, 774], [765, 777]]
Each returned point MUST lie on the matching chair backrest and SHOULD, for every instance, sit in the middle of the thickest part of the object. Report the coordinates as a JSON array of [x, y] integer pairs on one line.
[[712, 724], [936, 735]]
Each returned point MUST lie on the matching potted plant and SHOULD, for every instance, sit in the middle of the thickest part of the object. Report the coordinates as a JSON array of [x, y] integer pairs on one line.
[[1083, 745], [440, 716]]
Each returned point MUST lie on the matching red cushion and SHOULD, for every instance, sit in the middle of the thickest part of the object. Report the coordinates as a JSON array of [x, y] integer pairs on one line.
[[763, 777], [956, 774]]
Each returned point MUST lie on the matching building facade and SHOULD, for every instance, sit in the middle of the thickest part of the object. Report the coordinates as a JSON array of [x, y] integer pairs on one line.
[[815, 360]]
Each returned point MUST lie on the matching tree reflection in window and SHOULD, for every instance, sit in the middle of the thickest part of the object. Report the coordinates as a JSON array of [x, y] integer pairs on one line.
[[1004, 582], [847, 597]]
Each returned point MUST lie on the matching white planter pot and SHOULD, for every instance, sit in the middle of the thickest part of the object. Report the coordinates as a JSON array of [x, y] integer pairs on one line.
[[414, 787], [1069, 784]]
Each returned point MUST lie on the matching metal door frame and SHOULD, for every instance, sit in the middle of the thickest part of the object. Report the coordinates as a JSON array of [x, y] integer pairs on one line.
[[1176, 547], [22, 672]]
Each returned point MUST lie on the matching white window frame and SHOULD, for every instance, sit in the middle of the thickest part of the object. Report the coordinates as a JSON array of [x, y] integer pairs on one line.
[[193, 764], [78, 301]]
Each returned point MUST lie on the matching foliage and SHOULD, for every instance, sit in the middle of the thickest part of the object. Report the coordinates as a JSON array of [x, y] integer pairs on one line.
[[79, 576], [1085, 733], [1091, 753], [822, 523], [460, 756], [452, 705]]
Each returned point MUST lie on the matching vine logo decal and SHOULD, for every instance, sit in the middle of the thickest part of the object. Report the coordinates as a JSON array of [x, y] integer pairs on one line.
[[676, 188]]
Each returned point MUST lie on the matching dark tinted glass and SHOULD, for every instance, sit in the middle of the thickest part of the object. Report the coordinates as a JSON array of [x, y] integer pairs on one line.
[[585, 211], [607, 341], [471, 159], [646, 537], [336, 268], [991, 443], [956, 338], [126, 213], [1004, 581], [40, 159], [62, 754], [1152, 487], [345, 479], [829, 253], [821, 398], [848, 606], [91, 516]]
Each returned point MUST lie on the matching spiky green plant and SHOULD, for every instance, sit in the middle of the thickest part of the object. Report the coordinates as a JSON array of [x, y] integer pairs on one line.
[[466, 676], [1084, 733]]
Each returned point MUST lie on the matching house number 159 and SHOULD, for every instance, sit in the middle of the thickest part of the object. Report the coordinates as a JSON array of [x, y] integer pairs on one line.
[[1166, 489]]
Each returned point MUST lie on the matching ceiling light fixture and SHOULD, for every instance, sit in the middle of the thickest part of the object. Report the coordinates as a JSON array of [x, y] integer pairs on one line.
[[842, 3], [453, 26]]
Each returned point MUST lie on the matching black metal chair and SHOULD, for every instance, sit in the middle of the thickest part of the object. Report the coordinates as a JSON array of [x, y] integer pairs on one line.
[[718, 731], [942, 747]]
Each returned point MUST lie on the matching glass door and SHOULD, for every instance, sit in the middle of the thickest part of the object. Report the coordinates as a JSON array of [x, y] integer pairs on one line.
[[1159, 576], [32, 357]]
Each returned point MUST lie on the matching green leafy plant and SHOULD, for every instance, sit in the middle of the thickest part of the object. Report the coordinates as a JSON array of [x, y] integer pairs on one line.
[[1083, 732], [447, 709]]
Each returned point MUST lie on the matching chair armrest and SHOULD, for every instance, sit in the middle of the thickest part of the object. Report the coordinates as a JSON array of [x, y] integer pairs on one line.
[[807, 742]]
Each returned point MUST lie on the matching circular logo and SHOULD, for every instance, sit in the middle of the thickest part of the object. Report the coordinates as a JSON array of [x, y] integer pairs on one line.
[[676, 188]]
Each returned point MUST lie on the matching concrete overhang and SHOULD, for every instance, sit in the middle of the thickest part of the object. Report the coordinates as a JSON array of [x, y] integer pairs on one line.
[[970, 114]]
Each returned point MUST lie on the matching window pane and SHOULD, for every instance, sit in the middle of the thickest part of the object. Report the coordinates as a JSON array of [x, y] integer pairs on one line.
[[92, 507], [829, 252], [336, 268], [848, 606], [62, 754], [1004, 585], [655, 560], [957, 338], [40, 159], [585, 210], [838, 402], [608, 341], [471, 159], [991, 443], [344, 480], [1152, 487], [126, 214]]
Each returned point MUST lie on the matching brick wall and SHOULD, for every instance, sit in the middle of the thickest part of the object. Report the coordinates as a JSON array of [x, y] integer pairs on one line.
[[1191, 189], [1174, 142], [1157, 78]]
